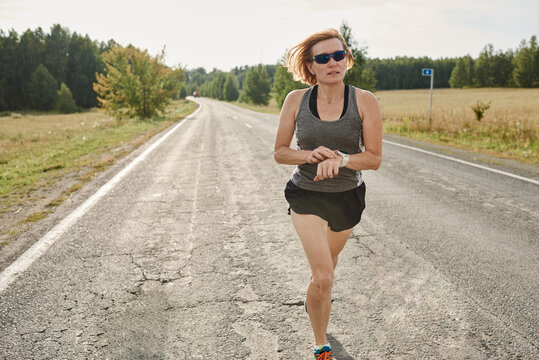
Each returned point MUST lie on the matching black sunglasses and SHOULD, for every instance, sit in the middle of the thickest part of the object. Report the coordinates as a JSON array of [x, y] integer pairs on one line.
[[324, 58]]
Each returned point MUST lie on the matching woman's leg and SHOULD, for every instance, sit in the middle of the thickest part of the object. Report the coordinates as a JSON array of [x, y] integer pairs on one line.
[[313, 233], [337, 241]]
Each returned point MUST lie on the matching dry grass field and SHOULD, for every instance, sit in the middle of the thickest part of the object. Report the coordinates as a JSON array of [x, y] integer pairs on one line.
[[509, 129], [44, 158]]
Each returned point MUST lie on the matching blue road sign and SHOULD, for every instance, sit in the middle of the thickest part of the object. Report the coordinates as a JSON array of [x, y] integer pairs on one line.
[[426, 72]]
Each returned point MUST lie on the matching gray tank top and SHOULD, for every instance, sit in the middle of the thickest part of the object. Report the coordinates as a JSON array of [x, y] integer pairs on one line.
[[344, 134]]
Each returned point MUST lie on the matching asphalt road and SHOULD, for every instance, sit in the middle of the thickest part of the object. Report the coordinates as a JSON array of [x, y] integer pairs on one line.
[[192, 256]]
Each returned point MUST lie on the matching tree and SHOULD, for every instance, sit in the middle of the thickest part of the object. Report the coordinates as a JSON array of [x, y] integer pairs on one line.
[[462, 74], [183, 93], [84, 61], [29, 56], [56, 52], [526, 64], [502, 68], [231, 91], [218, 86], [359, 75], [136, 84], [42, 89], [256, 87], [65, 102], [283, 83], [484, 67]]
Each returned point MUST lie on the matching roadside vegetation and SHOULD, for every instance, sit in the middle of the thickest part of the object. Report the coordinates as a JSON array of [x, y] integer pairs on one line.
[[45, 154], [509, 127], [39, 151]]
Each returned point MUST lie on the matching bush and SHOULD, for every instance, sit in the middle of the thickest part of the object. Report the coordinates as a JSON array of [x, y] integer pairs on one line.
[[135, 84], [479, 109]]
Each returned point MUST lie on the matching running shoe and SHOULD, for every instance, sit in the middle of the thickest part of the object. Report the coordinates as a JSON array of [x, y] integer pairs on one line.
[[323, 354]]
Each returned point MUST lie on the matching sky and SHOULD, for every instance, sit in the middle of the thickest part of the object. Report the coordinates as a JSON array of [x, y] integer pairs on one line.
[[227, 33]]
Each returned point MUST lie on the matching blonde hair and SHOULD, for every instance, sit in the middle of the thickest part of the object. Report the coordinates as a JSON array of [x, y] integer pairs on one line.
[[300, 55]]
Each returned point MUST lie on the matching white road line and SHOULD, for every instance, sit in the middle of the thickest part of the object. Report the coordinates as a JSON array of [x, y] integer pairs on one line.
[[465, 162], [249, 126], [40, 247]]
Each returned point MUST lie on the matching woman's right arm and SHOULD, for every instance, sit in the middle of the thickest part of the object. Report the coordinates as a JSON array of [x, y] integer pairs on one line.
[[283, 154]]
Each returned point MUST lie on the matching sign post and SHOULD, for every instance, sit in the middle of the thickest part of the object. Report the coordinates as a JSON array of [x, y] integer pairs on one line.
[[429, 72]]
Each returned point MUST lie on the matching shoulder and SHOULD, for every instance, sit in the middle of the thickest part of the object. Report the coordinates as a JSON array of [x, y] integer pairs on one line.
[[367, 103], [295, 96], [365, 97], [293, 100]]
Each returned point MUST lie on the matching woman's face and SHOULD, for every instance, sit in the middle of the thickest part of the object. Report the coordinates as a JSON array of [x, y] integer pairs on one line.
[[332, 72]]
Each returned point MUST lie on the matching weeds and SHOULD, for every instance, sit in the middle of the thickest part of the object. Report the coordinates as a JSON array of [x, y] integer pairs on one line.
[[480, 108]]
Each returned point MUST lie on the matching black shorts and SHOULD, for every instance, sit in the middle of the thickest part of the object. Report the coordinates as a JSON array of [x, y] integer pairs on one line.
[[342, 210]]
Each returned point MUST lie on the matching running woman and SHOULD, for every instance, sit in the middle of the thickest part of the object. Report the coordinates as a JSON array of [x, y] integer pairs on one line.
[[339, 133]]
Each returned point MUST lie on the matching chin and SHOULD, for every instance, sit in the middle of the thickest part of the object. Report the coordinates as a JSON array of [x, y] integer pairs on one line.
[[333, 80]]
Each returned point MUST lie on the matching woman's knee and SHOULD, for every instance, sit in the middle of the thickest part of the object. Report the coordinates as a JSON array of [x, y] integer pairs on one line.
[[323, 281]]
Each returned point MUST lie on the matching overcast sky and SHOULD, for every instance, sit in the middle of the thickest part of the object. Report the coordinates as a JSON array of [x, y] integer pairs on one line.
[[227, 33]]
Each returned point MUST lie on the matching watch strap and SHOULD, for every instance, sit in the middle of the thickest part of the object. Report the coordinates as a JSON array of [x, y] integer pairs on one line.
[[345, 158]]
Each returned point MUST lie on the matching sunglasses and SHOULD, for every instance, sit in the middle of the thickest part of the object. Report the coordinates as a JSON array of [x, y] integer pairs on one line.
[[324, 58]]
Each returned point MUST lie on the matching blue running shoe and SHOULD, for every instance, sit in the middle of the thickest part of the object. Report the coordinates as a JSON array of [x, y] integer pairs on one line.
[[323, 353]]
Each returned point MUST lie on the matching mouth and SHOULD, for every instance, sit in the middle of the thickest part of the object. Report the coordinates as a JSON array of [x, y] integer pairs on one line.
[[334, 73]]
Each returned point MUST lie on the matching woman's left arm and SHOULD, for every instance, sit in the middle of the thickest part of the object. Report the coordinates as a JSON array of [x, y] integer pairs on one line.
[[369, 110]]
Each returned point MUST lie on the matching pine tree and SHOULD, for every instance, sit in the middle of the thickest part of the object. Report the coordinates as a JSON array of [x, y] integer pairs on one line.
[[256, 87], [56, 51], [360, 75], [65, 102], [459, 76], [484, 67], [218, 86], [231, 91], [526, 64], [283, 83], [42, 89]]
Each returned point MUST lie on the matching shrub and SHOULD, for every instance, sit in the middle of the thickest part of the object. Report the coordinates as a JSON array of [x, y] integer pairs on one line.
[[479, 109]]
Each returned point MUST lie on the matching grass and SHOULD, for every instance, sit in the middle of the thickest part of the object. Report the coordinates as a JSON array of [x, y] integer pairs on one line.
[[37, 151], [509, 129], [271, 108]]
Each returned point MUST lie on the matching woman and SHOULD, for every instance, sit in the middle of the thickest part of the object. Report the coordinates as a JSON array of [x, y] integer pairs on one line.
[[339, 133]]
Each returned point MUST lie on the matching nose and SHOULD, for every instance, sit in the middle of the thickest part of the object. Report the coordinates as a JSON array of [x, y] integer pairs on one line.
[[332, 61]]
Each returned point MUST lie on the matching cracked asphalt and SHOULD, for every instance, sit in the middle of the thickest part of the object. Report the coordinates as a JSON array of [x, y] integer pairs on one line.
[[193, 256]]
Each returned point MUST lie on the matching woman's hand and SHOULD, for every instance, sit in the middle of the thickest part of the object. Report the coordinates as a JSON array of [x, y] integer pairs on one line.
[[321, 153], [328, 168]]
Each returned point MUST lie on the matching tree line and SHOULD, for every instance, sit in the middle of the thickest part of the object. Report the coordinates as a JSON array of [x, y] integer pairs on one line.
[[58, 70], [37, 67], [518, 68]]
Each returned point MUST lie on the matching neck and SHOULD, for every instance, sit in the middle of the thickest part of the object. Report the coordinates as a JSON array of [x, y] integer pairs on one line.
[[330, 92]]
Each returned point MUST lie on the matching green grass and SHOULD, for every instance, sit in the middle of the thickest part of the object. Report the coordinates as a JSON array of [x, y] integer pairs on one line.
[[36, 151], [271, 108]]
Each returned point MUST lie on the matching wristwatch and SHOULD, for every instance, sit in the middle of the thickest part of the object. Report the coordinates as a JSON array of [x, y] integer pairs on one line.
[[345, 158]]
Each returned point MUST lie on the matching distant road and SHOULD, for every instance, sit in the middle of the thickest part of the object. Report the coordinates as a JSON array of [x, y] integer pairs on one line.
[[192, 255]]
